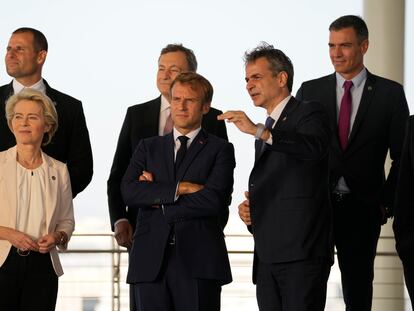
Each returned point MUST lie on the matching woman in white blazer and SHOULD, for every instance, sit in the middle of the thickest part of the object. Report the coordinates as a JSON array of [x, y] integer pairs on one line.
[[36, 210]]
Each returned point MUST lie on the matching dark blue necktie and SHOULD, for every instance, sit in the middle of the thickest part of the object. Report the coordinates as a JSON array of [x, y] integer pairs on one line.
[[269, 123], [261, 144], [181, 151]]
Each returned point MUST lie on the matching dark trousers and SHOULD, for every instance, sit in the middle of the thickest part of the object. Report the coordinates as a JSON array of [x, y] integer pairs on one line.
[[292, 286], [357, 228], [409, 277], [175, 290], [132, 303], [28, 283]]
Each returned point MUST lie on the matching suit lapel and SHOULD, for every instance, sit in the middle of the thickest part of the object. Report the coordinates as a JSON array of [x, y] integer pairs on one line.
[[196, 146], [333, 111], [260, 146], [168, 146], [154, 117], [50, 93], [366, 99], [10, 168], [7, 92], [51, 189]]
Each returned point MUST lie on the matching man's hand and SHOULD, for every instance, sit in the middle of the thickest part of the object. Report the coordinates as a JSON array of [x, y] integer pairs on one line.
[[241, 120], [146, 176], [123, 234], [385, 213], [186, 187], [244, 210]]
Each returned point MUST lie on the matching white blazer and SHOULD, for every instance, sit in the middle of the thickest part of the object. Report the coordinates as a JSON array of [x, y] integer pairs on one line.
[[58, 201]]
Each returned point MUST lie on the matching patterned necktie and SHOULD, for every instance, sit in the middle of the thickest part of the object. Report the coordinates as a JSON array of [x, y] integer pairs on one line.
[[181, 151], [168, 124], [344, 123]]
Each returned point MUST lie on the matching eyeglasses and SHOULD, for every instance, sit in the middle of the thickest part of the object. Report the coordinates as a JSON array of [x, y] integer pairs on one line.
[[23, 253]]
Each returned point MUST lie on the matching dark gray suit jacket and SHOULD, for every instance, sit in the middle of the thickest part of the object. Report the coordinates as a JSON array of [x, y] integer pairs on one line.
[[289, 190], [378, 126]]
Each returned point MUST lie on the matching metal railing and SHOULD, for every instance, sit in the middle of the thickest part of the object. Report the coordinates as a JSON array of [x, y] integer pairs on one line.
[[239, 253]]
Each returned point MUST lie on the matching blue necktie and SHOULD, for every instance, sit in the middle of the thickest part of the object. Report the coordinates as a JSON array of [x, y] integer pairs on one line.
[[181, 151], [269, 123]]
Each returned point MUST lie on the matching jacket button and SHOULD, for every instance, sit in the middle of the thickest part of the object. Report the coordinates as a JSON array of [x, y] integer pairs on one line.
[[251, 185]]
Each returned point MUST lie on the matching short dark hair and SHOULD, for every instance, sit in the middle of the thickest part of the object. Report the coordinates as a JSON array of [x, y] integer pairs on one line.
[[189, 54], [197, 83], [356, 22], [277, 59], [39, 39]]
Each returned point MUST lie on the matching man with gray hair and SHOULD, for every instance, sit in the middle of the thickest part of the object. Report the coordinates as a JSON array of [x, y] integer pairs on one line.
[[287, 206]]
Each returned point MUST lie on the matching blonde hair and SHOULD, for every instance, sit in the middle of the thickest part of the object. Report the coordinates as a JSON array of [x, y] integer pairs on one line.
[[48, 109]]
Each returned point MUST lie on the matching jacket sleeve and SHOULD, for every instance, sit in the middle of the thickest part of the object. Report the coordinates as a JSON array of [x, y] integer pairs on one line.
[[138, 193], [213, 198], [309, 140], [117, 207], [66, 221], [79, 160]]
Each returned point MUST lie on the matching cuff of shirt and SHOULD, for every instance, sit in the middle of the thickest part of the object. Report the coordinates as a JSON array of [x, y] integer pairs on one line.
[[269, 141], [120, 220]]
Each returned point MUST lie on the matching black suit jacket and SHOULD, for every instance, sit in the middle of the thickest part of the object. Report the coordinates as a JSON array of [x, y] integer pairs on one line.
[[142, 121], [378, 126], [70, 144], [289, 190], [404, 202], [199, 237]]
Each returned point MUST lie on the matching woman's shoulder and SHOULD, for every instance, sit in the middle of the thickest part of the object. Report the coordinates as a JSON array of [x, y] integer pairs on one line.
[[53, 162], [8, 154]]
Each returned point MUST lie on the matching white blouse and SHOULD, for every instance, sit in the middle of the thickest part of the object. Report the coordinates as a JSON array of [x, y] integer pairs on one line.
[[31, 215]]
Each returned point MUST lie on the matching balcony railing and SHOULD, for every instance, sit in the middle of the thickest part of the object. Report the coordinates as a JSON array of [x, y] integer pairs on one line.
[[95, 272]]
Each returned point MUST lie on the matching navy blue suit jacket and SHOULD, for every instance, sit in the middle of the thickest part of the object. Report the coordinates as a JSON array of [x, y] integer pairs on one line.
[[289, 189], [142, 121], [199, 236]]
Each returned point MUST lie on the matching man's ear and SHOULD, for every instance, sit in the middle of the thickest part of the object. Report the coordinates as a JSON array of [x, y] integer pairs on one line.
[[41, 57], [206, 108], [282, 78], [364, 46]]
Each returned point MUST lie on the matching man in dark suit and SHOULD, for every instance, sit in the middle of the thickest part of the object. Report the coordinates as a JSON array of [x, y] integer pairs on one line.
[[146, 120], [287, 206], [180, 183], [404, 209], [26, 54], [367, 116]]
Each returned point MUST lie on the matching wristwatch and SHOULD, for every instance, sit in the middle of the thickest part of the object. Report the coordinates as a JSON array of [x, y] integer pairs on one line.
[[260, 130]]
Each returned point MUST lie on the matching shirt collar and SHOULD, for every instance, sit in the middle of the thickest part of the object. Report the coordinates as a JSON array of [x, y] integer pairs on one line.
[[190, 135], [357, 80], [38, 86], [164, 103], [277, 111]]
